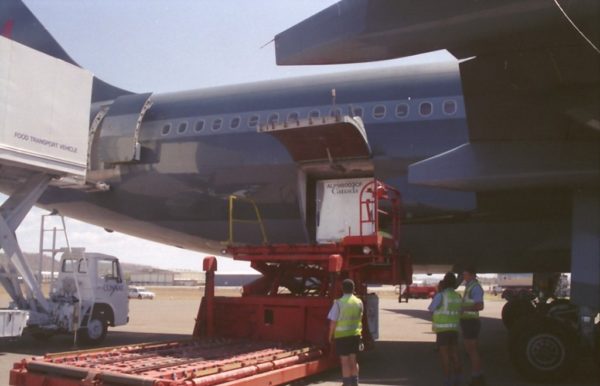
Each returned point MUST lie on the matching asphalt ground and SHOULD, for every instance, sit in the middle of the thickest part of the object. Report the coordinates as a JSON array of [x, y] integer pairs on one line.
[[404, 355]]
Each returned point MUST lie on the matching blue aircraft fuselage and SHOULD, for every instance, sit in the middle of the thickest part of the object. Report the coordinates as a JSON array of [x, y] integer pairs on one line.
[[199, 147]]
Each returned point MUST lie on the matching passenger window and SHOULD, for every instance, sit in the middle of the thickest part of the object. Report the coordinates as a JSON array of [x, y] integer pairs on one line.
[[425, 109], [199, 126], [379, 112], [235, 123], [293, 117], [217, 123], [166, 129], [68, 266], [449, 107], [335, 113], [273, 119], [253, 121], [314, 114], [358, 112], [402, 110], [182, 127]]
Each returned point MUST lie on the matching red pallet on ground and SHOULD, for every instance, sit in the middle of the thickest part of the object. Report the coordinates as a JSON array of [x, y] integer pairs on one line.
[[182, 363]]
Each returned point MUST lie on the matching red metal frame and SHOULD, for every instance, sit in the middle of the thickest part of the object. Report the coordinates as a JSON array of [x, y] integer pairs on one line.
[[172, 364], [371, 196], [287, 305]]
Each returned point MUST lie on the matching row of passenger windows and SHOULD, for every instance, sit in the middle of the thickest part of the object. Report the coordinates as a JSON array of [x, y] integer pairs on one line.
[[378, 112]]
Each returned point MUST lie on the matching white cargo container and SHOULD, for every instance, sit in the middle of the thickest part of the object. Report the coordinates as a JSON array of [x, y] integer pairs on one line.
[[44, 111], [338, 209]]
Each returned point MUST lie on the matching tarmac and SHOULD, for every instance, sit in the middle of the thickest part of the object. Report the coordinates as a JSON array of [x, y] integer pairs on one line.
[[404, 354]]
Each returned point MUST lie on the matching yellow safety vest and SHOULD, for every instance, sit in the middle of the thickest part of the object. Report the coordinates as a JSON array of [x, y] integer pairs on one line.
[[349, 322], [447, 316], [468, 301]]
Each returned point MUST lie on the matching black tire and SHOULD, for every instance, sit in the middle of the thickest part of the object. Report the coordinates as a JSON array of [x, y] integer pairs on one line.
[[139, 296], [543, 349], [94, 332], [514, 310], [564, 310]]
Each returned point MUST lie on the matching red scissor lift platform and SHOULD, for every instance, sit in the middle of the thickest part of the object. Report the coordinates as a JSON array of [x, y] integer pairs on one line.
[[274, 333]]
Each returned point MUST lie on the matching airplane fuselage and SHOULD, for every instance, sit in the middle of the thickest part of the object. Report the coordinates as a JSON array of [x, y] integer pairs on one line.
[[199, 147]]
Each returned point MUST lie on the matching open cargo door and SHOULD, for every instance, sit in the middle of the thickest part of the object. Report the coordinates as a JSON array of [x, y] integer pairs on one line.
[[329, 139], [119, 129]]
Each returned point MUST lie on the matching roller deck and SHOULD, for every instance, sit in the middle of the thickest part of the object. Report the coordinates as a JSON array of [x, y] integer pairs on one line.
[[181, 363]]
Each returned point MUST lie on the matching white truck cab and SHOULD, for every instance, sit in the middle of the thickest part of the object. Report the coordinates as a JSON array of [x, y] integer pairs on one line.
[[88, 296]]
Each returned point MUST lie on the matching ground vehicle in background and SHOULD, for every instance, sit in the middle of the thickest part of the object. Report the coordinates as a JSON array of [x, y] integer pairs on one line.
[[137, 292], [515, 284], [419, 292]]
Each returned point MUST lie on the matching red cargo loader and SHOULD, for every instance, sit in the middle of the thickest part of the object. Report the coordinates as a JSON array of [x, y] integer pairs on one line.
[[274, 333]]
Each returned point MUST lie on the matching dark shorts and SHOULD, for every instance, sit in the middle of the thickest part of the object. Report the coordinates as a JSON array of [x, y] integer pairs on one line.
[[470, 328], [346, 346], [447, 338]]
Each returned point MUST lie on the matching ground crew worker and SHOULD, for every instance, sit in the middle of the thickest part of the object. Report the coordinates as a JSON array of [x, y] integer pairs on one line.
[[446, 306], [470, 324], [345, 326]]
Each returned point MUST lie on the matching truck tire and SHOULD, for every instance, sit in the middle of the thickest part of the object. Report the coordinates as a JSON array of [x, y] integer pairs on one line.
[[543, 349], [514, 310], [95, 330]]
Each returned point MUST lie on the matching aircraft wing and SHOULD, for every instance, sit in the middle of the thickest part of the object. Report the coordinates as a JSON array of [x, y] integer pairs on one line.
[[366, 30], [530, 74]]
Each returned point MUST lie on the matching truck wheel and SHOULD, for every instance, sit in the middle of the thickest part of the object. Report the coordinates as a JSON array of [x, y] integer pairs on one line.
[[95, 331], [543, 349], [514, 310]]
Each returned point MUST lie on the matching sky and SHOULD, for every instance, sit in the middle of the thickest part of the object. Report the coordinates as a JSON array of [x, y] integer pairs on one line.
[[164, 46]]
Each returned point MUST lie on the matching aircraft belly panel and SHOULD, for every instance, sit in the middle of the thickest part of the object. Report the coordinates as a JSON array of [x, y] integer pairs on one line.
[[510, 246], [507, 165]]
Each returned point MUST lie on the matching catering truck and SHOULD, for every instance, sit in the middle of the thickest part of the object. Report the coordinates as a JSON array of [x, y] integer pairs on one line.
[[88, 295]]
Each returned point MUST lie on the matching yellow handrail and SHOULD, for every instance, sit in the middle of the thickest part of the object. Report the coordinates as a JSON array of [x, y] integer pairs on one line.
[[232, 219]]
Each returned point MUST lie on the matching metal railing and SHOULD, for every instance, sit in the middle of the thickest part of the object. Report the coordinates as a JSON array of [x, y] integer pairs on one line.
[[232, 219]]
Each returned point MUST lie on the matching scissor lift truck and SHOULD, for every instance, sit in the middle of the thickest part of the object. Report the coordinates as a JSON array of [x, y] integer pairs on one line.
[[272, 334]]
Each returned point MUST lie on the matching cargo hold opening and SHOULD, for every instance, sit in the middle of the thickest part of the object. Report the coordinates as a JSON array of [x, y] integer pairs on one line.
[[324, 148]]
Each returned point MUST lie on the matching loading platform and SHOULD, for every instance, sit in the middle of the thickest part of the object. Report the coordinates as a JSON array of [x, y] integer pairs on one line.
[[182, 363]]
